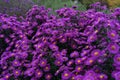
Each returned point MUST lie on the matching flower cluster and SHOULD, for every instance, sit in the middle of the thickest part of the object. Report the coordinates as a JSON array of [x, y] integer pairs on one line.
[[68, 45]]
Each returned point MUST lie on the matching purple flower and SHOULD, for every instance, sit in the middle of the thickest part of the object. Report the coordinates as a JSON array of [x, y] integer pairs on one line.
[[58, 62], [96, 53], [29, 71], [43, 63], [66, 75], [90, 61], [38, 73], [70, 62], [17, 73], [63, 52], [92, 38], [78, 68], [53, 47], [78, 77], [113, 47], [89, 78], [117, 76], [16, 63], [117, 59], [48, 76], [78, 61], [7, 76], [112, 34], [47, 68], [63, 40], [74, 54], [102, 77], [23, 55], [38, 46]]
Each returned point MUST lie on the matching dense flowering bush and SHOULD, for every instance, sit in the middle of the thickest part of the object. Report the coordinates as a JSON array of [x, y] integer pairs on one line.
[[68, 45]]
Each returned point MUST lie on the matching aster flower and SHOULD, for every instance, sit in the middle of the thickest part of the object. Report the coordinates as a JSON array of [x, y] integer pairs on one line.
[[117, 75], [47, 68], [112, 34], [63, 52], [23, 55], [64, 59], [48, 31], [58, 62], [74, 54], [92, 38], [78, 61], [96, 53], [38, 73], [48, 76], [17, 73], [88, 78], [33, 78], [70, 62], [102, 77], [113, 47], [84, 52], [57, 55], [73, 77], [43, 63], [7, 76], [78, 68], [35, 62], [90, 61], [25, 47], [38, 46], [16, 63], [63, 40], [117, 59], [66, 75], [29, 71], [53, 47], [78, 77]]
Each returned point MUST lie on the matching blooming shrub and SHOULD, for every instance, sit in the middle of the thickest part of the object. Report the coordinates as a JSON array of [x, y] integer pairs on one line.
[[68, 45]]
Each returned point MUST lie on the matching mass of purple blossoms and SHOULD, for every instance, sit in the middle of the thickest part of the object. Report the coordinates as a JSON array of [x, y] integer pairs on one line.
[[67, 45]]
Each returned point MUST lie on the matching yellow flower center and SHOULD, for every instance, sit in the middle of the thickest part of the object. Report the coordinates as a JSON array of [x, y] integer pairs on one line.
[[15, 62], [79, 68], [91, 61], [118, 58], [16, 72], [48, 76], [46, 68], [39, 46], [43, 62], [91, 37], [96, 31], [65, 74], [79, 61], [101, 76], [113, 47], [7, 76], [73, 78], [96, 53], [87, 47], [58, 62], [70, 62], [39, 73], [112, 34]]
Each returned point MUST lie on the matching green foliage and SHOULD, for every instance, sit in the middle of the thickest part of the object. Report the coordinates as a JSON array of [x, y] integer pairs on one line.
[[56, 4], [87, 2]]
